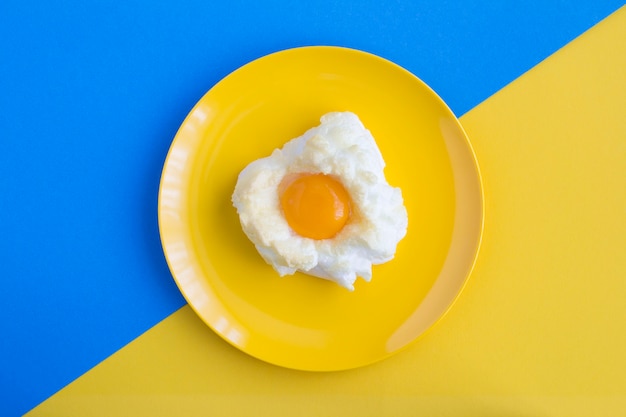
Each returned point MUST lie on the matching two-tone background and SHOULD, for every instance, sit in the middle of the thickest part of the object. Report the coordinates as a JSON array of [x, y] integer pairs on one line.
[[91, 95]]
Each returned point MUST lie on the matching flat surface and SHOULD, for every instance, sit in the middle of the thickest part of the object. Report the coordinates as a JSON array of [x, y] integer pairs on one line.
[[300, 321], [93, 95]]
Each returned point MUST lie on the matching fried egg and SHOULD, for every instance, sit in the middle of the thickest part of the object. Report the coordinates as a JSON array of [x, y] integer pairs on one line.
[[321, 205]]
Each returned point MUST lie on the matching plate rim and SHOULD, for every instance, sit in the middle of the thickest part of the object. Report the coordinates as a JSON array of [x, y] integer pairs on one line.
[[466, 141]]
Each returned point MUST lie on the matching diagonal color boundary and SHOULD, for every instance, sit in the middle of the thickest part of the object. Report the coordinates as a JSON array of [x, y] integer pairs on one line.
[[538, 330]]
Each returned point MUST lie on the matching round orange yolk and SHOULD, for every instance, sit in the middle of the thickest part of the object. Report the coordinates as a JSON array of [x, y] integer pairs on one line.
[[316, 206]]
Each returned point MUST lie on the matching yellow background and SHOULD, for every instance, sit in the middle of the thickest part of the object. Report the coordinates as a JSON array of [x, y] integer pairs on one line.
[[539, 329]]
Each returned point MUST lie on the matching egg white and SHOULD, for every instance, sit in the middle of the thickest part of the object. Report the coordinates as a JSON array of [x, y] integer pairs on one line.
[[342, 147]]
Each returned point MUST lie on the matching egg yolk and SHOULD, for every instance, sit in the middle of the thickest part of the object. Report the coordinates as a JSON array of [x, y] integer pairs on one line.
[[316, 206]]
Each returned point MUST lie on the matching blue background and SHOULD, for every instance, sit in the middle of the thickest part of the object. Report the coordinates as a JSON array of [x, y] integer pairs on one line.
[[92, 94]]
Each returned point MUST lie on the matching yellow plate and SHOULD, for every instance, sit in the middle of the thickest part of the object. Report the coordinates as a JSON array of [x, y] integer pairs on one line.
[[299, 321]]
